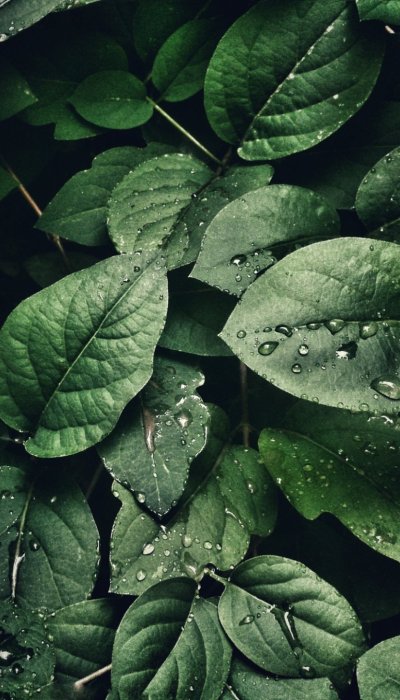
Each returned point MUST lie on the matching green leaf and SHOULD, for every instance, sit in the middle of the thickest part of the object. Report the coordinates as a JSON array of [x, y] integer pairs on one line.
[[75, 353], [180, 65], [159, 435], [78, 212], [287, 620], [146, 204], [386, 10], [47, 268], [287, 75], [316, 480], [27, 657], [237, 181], [112, 99], [14, 90], [247, 683], [333, 306], [21, 14], [170, 645], [237, 243], [378, 198], [51, 538], [155, 20], [229, 497], [378, 671]]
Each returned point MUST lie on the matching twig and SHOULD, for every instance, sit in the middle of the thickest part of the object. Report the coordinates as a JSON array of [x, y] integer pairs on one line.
[[18, 557], [212, 574], [245, 405], [78, 685], [93, 482]]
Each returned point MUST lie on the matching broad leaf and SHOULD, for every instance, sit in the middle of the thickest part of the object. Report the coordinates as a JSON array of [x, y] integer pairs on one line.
[[378, 671], [229, 497], [276, 95], [159, 435], [16, 15], [378, 198], [47, 268], [78, 212], [27, 657], [51, 538], [316, 480], [287, 620], [155, 20], [180, 65], [14, 90], [81, 348], [241, 240], [112, 99], [322, 324], [170, 645], [247, 683], [385, 10], [145, 205]]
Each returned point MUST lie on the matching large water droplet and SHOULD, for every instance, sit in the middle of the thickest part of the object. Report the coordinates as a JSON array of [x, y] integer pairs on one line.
[[303, 350], [247, 620], [241, 334], [367, 330], [335, 325], [148, 548], [285, 330], [388, 386], [267, 348], [296, 368], [187, 541], [183, 418], [141, 575], [238, 260]]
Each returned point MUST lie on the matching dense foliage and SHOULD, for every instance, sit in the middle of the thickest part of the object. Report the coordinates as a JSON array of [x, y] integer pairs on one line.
[[200, 349]]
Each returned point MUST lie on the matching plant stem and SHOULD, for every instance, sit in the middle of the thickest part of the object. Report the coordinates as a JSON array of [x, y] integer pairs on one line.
[[212, 574], [94, 481], [18, 557], [78, 685], [184, 131], [244, 393]]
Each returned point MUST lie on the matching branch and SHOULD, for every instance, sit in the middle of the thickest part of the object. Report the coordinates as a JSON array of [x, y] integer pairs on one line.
[[78, 685]]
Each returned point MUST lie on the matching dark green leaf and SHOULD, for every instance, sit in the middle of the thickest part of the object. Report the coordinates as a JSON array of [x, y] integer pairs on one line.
[[322, 324], [145, 205], [287, 75], [47, 268], [155, 20], [51, 538], [16, 15], [385, 10], [287, 620], [7, 183], [81, 348], [159, 435], [378, 198], [237, 243], [112, 99], [170, 646], [180, 65], [378, 671], [316, 480], [14, 90]]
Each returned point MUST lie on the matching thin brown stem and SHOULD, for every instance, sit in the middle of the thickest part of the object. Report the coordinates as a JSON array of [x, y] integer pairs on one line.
[[244, 394], [78, 685]]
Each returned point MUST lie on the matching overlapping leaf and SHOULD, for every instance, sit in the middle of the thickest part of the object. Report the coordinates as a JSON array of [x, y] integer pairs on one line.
[[16, 15], [15, 92], [155, 20], [378, 198], [81, 348], [385, 10], [378, 671]]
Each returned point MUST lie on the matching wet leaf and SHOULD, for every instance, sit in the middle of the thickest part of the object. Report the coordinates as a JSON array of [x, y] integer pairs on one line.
[[378, 673], [378, 198], [387, 11], [14, 89]]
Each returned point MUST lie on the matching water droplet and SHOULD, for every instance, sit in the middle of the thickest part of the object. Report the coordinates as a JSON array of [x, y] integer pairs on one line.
[[313, 326], [307, 672], [141, 575], [141, 497], [247, 620], [267, 348], [347, 351], [303, 350], [241, 334], [187, 541], [296, 368], [308, 467], [285, 330], [34, 545], [207, 545], [367, 330], [17, 669], [388, 386], [148, 549], [183, 418], [238, 260], [335, 325]]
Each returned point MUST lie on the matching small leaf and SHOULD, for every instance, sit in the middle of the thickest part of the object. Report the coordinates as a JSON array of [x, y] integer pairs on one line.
[[277, 95], [180, 65], [47, 268], [386, 10], [112, 99], [84, 347], [322, 324], [170, 644], [378, 198], [51, 538], [240, 241], [378, 671], [159, 435], [155, 20], [288, 621], [145, 205], [316, 481], [14, 90]]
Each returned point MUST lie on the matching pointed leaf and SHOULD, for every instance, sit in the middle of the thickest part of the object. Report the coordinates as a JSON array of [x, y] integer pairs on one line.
[[317, 481], [159, 435], [75, 353], [334, 308], [170, 644], [145, 205], [237, 243], [385, 10], [378, 198], [14, 90], [378, 671], [287, 75], [287, 620], [51, 538]]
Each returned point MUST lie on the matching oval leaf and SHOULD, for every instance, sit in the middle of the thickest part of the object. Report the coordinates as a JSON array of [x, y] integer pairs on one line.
[[287, 75], [237, 243], [287, 620], [322, 324], [386, 10], [378, 198], [75, 353], [378, 671]]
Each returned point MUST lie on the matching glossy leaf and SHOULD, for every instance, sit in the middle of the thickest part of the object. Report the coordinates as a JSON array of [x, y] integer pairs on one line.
[[84, 347], [229, 497], [316, 480], [385, 10], [170, 644], [241, 240], [145, 205], [51, 538], [20, 14], [277, 96], [378, 671], [322, 324], [155, 20], [180, 65], [78, 212], [14, 90], [378, 198], [159, 435], [288, 621]]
